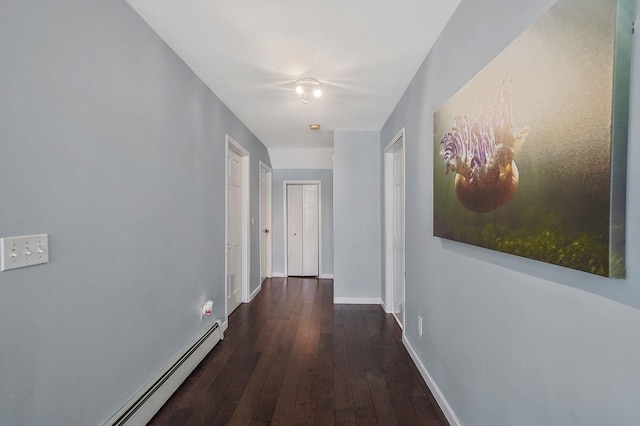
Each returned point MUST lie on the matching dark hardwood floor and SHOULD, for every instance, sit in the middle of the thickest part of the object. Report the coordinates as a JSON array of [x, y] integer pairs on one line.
[[292, 357]]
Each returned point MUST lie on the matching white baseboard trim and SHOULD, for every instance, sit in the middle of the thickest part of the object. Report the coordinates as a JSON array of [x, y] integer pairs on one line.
[[384, 307], [326, 276], [356, 301], [255, 293], [433, 386], [225, 325]]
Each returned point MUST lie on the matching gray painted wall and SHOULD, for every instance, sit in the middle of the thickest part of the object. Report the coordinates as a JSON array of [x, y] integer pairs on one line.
[[357, 198], [512, 341], [325, 176], [116, 149]]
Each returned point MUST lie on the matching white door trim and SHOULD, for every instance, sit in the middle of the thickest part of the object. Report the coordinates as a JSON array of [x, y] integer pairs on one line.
[[284, 208], [240, 150], [398, 141], [269, 208]]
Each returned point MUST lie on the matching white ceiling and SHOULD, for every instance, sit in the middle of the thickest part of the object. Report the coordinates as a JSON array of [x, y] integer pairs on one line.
[[250, 53]]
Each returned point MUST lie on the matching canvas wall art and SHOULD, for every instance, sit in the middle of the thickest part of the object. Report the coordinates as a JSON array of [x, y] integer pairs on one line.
[[530, 155]]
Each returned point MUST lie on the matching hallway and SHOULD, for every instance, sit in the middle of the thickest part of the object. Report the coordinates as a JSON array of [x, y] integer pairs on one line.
[[293, 357]]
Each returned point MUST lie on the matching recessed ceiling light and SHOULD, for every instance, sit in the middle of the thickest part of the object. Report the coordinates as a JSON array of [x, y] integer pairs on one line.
[[314, 126]]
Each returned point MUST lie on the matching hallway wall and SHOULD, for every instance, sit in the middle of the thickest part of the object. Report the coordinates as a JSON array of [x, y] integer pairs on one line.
[[357, 198], [113, 147], [509, 340]]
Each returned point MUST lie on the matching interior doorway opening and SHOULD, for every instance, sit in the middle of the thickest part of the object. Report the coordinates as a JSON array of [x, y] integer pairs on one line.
[[302, 228], [394, 197], [237, 226], [265, 222]]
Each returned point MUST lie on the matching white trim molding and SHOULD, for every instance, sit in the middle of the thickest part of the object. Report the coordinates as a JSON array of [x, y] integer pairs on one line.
[[399, 141], [264, 168], [357, 300], [326, 276], [278, 275], [433, 386], [233, 145], [255, 292], [318, 183]]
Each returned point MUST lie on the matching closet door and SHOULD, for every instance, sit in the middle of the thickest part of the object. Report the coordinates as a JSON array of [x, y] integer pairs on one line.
[[302, 230], [310, 230], [294, 230]]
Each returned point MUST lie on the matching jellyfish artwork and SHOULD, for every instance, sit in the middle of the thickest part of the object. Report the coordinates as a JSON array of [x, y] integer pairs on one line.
[[481, 152]]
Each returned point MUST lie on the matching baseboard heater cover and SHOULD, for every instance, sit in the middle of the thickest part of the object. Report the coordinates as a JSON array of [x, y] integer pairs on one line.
[[143, 406]]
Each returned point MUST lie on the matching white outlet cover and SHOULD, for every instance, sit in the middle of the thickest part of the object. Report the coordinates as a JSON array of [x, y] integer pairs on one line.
[[206, 308], [18, 252]]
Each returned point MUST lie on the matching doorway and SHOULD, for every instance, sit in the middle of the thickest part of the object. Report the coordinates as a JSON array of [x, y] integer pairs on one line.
[[394, 176], [237, 227], [302, 228], [265, 222]]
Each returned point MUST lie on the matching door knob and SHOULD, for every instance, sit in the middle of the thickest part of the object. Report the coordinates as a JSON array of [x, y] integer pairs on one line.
[[266, 231]]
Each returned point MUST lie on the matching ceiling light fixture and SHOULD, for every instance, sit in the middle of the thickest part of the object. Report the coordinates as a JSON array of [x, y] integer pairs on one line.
[[308, 88], [314, 126]]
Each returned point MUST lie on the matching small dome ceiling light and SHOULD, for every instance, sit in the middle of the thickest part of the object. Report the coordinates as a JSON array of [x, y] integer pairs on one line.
[[314, 126], [307, 88]]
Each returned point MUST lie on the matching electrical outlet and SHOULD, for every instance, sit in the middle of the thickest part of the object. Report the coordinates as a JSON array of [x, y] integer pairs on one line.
[[207, 307], [18, 252], [419, 326]]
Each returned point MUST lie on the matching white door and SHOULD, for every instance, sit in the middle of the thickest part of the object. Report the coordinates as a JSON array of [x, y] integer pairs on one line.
[[398, 234], [310, 230], [265, 224], [294, 230], [234, 230], [302, 230]]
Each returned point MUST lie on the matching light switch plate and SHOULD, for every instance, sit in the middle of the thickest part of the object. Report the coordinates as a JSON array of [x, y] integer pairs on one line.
[[17, 252]]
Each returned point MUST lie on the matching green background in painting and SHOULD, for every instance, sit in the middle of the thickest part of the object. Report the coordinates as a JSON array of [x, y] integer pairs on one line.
[[561, 73]]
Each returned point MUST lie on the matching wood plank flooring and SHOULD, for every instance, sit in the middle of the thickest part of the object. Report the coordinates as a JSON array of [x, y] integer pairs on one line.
[[292, 357]]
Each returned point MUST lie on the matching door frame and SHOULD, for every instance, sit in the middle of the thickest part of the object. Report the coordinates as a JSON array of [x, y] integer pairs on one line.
[[397, 142], [269, 212], [284, 208], [234, 146]]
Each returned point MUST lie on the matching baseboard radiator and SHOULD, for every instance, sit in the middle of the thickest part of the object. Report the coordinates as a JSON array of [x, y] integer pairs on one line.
[[142, 407]]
